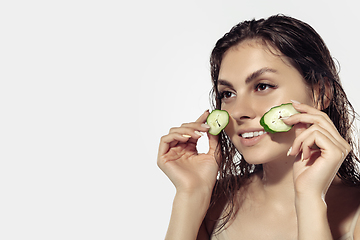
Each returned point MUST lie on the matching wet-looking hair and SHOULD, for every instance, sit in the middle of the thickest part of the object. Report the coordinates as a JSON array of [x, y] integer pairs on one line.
[[307, 52]]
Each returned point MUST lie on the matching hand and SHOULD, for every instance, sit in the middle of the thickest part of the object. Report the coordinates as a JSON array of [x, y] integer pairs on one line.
[[179, 159], [319, 150]]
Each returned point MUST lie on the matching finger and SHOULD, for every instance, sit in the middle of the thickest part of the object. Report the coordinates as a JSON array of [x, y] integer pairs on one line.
[[306, 134], [304, 108], [319, 123], [199, 126], [194, 130], [313, 116], [203, 117], [300, 128], [213, 143], [319, 120], [310, 119], [171, 140], [324, 161], [330, 151]]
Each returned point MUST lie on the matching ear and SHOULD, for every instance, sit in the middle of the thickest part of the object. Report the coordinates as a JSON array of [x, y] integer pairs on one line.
[[322, 94]]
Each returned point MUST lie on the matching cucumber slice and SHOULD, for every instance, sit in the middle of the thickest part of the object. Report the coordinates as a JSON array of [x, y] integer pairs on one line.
[[217, 120], [271, 120]]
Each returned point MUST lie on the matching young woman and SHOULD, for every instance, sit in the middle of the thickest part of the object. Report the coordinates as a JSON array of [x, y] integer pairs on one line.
[[300, 184]]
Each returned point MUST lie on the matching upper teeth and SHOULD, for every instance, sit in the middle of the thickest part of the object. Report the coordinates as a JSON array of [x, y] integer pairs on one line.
[[252, 134]]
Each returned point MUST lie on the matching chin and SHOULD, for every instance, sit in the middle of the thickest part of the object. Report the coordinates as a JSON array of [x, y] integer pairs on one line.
[[254, 161], [264, 156], [254, 157], [266, 150]]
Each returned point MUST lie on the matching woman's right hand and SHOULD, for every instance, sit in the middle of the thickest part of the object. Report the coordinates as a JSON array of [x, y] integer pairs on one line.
[[179, 159]]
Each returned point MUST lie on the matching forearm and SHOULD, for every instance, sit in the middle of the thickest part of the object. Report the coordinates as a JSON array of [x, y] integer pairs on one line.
[[312, 219], [187, 215]]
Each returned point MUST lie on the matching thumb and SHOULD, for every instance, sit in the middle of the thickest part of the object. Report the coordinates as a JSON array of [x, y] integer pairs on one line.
[[213, 145]]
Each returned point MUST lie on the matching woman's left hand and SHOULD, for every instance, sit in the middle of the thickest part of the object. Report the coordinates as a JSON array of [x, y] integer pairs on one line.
[[319, 150]]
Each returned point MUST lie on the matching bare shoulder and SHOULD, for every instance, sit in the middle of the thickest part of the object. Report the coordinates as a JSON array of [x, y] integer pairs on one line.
[[343, 203]]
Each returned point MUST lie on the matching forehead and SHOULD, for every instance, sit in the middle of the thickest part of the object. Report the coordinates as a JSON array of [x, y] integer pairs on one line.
[[251, 55]]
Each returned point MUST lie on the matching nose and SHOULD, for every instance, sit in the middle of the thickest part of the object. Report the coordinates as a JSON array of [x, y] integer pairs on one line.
[[242, 110]]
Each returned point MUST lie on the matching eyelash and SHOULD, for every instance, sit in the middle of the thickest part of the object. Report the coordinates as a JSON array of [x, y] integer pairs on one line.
[[222, 94], [263, 84], [256, 88]]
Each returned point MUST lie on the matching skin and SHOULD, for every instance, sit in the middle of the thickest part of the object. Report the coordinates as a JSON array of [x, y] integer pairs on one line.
[[291, 198]]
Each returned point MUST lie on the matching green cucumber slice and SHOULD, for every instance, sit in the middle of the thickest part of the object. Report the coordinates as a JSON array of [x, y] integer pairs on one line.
[[271, 120], [217, 120]]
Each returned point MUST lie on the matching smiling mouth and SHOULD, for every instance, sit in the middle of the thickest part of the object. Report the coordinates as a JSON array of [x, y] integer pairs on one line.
[[252, 134]]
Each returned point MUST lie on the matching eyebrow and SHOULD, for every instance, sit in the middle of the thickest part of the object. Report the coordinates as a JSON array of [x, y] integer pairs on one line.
[[250, 77]]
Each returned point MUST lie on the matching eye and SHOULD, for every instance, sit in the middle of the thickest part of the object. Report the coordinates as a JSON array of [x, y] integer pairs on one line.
[[263, 86], [226, 94]]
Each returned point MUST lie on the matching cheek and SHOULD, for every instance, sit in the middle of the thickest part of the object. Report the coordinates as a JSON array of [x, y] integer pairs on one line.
[[266, 104], [301, 93], [230, 128], [285, 138]]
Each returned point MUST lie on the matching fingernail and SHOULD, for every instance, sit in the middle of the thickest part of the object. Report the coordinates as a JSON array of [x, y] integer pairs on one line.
[[296, 102], [205, 125], [199, 133], [283, 118], [187, 136], [288, 153]]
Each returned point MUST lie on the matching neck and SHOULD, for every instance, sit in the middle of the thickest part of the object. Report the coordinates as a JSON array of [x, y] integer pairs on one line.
[[277, 180]]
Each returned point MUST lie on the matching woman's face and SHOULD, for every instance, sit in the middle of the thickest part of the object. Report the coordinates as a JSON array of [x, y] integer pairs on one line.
[[251, 81]]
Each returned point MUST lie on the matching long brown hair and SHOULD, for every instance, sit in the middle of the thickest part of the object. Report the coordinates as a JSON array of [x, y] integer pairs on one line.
[[307, 52]]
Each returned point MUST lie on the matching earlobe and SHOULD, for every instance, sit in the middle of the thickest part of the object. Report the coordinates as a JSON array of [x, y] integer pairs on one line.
[[327, 97], [322, 94]]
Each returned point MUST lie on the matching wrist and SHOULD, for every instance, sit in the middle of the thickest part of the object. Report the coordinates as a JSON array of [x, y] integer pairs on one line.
[[194, 192], [310, 202], [312, 219], [189, 210], [199, 197], [310, 198]]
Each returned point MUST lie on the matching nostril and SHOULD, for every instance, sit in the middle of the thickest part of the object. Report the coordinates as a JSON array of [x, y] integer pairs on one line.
[[233, 116]]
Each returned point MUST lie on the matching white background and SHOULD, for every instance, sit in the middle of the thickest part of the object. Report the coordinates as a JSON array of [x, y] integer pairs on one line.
[[87, 88]]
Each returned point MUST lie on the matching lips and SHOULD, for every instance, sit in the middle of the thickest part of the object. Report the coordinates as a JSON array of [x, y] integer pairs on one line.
[[251, 137], [252, 134]]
